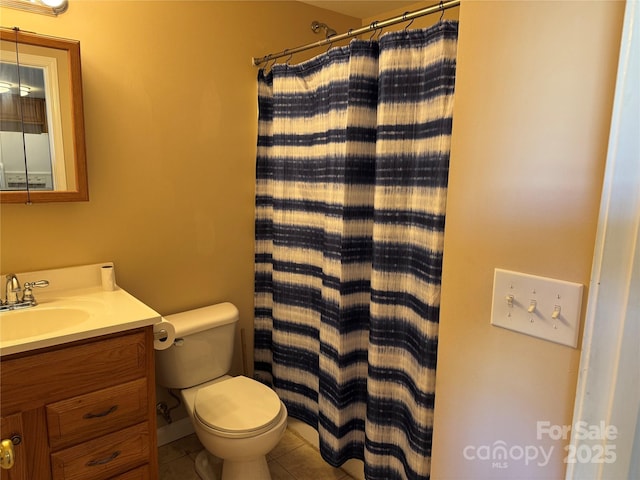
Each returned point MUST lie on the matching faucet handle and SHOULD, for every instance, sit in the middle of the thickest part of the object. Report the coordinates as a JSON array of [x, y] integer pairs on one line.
[[28, 290]]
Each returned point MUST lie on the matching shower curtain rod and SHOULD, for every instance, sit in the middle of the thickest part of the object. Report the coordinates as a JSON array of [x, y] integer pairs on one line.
[[441, 7]]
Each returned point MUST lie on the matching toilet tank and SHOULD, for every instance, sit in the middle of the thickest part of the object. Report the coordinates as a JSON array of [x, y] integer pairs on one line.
[[203, 348]]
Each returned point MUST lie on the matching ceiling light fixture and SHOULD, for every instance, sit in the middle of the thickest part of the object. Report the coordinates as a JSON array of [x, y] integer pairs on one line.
[[44, 7], [6, 87]]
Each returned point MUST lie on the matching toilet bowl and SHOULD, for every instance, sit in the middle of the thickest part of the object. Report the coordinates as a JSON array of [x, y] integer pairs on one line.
[[238, 420]]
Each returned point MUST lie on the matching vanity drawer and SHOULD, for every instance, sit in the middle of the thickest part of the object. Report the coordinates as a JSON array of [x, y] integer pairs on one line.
[[98, 413], [105, 457], [141, 473], [74, 370]]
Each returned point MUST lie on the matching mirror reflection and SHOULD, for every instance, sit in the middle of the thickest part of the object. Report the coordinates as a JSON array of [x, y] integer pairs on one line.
[[42, 155], [24, 131]]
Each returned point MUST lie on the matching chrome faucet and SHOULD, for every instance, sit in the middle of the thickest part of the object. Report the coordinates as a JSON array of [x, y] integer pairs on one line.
[[13, 290]]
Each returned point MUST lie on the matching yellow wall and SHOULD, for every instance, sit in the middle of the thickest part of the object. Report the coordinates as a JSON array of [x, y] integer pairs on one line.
[[534, 91], [170, 111], [170, 102]]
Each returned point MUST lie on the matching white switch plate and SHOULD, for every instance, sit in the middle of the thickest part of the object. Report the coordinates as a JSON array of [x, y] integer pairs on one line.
[[547, 295]]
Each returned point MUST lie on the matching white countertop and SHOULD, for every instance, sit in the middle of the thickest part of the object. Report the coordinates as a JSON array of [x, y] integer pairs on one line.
[[103, 312]]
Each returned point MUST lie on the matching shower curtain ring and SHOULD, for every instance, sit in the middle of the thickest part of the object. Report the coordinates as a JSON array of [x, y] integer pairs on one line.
[[373, 26], [442, 12], [330, 44], [404, 17], [290, 56]]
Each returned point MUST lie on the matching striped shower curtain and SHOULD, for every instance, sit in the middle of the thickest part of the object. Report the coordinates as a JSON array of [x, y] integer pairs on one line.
[[352, 169]]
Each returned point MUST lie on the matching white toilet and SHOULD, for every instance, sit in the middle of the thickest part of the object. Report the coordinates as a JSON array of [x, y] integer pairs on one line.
[[237, 419]]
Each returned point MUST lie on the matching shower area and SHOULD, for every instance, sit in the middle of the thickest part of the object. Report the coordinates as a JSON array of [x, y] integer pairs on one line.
[[351, 188]]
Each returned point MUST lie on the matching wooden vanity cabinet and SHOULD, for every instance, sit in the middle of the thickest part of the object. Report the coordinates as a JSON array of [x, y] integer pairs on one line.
[[82, 411]]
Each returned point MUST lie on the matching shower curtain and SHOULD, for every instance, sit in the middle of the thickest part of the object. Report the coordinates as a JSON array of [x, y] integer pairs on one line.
[[351, 183]]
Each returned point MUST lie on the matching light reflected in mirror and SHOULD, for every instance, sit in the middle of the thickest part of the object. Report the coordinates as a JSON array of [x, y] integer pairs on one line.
[[42, 149]]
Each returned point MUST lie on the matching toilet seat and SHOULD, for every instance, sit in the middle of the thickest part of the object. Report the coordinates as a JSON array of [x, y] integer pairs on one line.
[[238, 407]]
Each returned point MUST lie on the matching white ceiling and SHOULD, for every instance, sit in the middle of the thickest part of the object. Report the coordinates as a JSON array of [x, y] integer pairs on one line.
[[360, 8]]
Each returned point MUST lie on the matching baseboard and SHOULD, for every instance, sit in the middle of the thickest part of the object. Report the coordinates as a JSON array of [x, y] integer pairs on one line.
[[174, 431]]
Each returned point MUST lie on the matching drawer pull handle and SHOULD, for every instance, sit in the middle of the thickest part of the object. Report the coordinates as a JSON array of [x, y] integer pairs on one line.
[[103, 461], [101, 414]]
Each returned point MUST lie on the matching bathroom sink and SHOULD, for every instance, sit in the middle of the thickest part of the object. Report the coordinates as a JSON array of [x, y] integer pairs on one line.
[[34, 321], [75, 306]]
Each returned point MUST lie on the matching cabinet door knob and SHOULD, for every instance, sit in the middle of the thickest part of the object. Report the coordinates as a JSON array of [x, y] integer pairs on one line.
[[7, 456]]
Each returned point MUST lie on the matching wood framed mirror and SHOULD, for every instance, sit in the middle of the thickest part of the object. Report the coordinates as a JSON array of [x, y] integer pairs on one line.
[[42, 139]]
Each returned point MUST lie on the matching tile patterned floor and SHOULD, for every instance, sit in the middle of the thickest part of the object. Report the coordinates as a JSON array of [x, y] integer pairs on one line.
[[292, 459]]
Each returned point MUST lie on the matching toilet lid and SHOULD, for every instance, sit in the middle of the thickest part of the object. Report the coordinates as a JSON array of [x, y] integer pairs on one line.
[[239, 404]]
